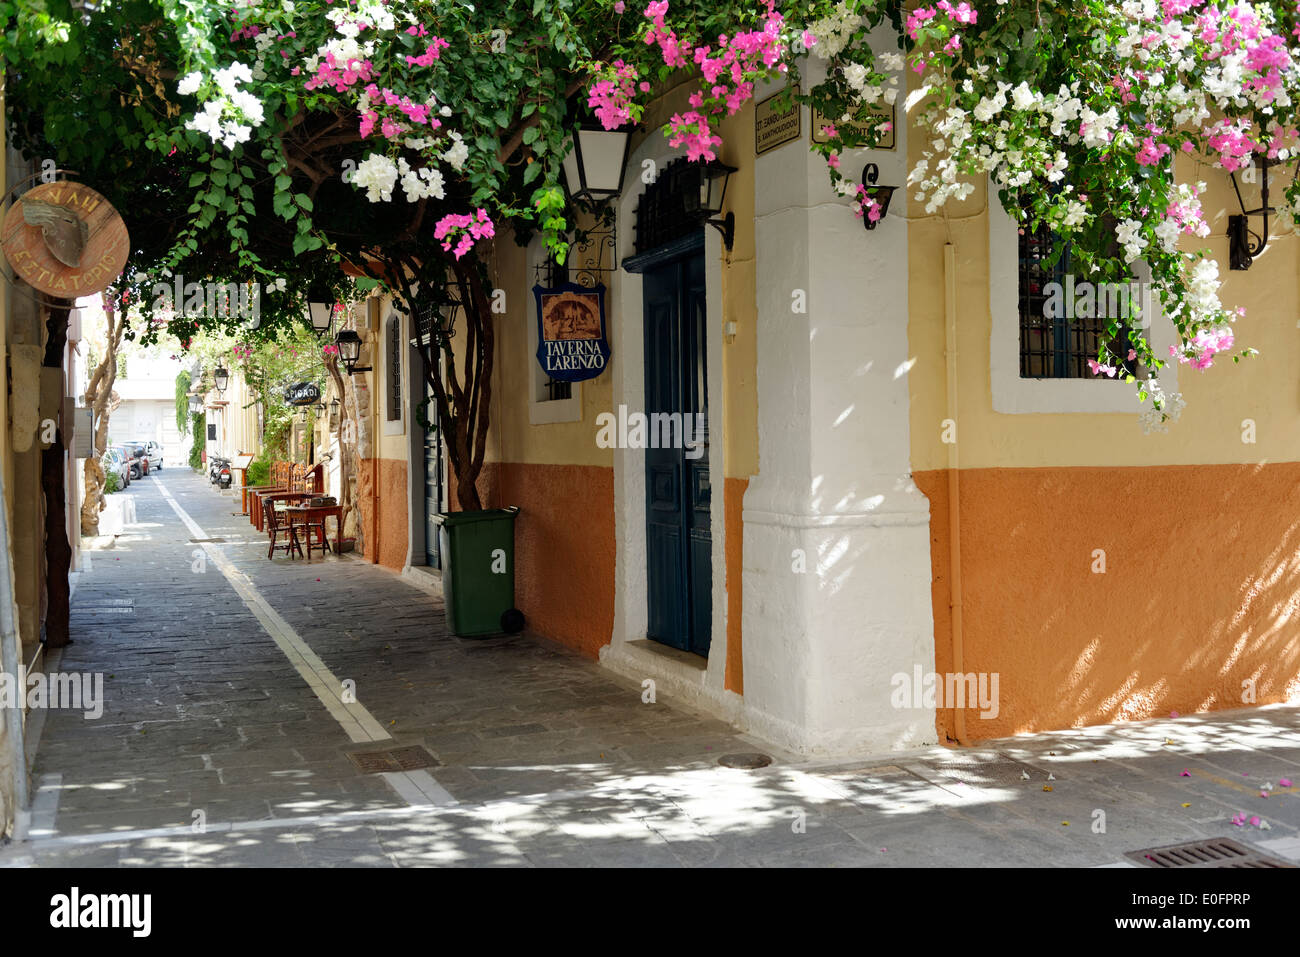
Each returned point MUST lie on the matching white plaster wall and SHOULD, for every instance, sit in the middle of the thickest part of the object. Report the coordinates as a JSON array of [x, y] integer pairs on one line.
[[834, 480]]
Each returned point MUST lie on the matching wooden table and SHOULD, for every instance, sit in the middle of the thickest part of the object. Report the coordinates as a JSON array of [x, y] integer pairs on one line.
[[308, 514], [254, 495], [276, 496]]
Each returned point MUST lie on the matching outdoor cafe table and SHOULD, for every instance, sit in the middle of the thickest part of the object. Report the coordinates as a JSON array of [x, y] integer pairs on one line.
[[250, 501], [276, 496], [310, 514], [254, 494]]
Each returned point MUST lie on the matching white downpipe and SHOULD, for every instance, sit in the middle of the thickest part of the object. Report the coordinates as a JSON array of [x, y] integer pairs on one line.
[[954, 479]]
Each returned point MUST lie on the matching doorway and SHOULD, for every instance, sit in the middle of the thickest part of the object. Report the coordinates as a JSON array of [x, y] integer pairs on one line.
[[679, 538]]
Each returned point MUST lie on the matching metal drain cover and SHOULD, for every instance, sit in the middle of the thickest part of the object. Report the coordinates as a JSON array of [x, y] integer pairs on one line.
[[1216, 852], [201, 541], [748, 760], [394, 759]]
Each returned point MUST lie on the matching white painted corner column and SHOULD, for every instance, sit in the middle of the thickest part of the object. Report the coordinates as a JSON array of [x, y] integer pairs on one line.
[[836, 535]]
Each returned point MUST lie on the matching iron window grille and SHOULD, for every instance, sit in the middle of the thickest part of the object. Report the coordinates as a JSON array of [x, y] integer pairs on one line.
[[394, 369], [1057, 347], [661, 215]]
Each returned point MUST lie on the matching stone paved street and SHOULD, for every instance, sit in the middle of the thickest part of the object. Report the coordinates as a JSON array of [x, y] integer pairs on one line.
[[225, 679]]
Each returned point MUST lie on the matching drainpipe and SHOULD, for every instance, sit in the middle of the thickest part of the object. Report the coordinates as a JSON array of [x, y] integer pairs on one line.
[[376, 433], [10, 664], [954, 479]]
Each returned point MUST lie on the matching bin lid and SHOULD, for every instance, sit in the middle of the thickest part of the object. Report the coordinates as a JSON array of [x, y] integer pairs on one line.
[[466, 518]]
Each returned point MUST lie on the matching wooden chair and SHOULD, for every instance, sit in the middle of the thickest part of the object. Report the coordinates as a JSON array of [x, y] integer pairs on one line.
[[316, 530], [275, 527]]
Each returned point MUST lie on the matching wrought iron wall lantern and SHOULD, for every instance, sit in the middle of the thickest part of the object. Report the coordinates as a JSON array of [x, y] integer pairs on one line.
[[349, 346], [222, 377], [1244, 244], [438, 318], [594, 166], [706, 202], [872, 191], [320, 309]]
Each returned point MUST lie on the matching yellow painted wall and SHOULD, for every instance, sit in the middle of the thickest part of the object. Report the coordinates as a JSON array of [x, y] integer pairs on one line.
[[514, 439]]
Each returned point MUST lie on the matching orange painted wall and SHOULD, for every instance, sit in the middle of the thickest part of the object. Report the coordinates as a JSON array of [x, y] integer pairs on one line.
[[392, 529], [1201, 590], [564, 547], [733, 509]]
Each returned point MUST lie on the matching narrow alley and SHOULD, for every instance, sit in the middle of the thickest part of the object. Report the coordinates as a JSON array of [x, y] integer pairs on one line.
[[236, 688]]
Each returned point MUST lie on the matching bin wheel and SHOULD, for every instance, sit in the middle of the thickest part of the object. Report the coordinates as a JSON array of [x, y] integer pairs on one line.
[[512, 621]]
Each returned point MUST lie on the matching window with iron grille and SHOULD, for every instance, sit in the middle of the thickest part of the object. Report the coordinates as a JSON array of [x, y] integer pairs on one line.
[[661, 214], [1055, 342], [394, 390]]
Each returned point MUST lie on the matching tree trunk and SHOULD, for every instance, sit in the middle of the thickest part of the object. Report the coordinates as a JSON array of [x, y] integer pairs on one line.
[[345, 493], [99, 394], [58, 552]]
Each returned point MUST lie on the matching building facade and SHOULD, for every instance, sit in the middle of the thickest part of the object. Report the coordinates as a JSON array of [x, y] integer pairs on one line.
[[913, 516]]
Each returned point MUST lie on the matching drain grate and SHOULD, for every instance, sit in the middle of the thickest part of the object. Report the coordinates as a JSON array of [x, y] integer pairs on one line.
[[1217, 852], [209, 541], [747, 761], [394, 759]]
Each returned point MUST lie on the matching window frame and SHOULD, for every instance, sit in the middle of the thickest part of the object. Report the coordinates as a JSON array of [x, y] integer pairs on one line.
[[1014, 395]]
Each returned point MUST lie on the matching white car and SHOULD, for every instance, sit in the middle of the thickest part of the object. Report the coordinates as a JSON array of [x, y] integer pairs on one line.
[[154, 453]]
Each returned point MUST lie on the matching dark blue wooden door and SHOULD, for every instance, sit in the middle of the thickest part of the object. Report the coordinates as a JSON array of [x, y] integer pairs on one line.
[[679, 541]]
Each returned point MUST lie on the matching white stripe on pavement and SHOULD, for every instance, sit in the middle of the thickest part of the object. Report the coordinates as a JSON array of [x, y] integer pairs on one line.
[[417, 788]]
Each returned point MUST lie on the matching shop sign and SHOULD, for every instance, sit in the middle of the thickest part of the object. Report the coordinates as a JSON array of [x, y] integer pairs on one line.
[[572, 344], [65, 239], [304, 393]]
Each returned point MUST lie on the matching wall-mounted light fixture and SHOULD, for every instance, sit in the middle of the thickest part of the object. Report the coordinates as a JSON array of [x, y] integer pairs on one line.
[[1244, 244], [593, 168], [880, 194], [706, 201], [223, 379], [320, 308], [349, 344]]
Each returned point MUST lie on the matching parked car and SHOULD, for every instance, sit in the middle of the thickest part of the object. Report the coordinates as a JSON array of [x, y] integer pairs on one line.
[[114, 460], [154, 453], [135, 454]]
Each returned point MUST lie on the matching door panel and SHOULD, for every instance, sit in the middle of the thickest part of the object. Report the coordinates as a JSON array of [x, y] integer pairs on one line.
[[678, 532]]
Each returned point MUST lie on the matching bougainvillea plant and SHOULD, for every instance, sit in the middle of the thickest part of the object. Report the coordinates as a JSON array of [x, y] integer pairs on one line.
[[1077, 113], [398, 137]]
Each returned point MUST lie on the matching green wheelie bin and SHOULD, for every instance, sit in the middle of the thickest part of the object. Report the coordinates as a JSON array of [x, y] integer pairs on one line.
[[478, 571]]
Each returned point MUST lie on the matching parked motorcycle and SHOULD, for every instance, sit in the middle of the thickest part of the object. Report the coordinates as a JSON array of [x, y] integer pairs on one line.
[[219, 473]]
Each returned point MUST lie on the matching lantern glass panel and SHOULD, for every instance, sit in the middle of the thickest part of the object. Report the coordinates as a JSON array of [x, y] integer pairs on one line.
[[321, 313], [594, 166]]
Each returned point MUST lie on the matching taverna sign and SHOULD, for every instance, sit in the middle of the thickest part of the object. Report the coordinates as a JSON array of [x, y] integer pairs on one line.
[[571, 340], [304, 393]]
